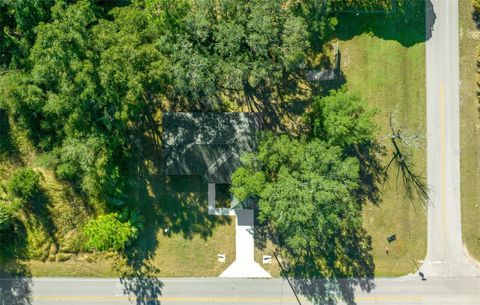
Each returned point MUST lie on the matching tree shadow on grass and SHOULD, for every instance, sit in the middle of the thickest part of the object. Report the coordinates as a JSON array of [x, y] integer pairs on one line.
[[333, 274], [476, 18], [37, 215], [411, 23], [325, 276], [165, 205], [15, 277], [7, 146], [372, 172]]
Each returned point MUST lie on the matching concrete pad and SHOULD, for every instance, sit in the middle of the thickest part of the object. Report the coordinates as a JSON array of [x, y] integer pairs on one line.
[[212, 210], [241, 269], [244, 265]]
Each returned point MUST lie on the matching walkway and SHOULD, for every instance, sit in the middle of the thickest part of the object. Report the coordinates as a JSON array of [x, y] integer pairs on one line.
[[244, 264], [445, 256]]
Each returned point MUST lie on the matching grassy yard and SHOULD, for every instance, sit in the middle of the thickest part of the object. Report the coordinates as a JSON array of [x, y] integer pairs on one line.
[[469, 129], [385, 64], [169, 254], [391, 77], [50, 241], [175, 256]]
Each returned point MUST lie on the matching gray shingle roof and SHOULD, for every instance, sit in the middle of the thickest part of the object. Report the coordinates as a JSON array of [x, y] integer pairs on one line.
[[208, 143]]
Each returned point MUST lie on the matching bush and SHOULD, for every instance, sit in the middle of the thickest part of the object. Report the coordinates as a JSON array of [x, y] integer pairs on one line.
[[107, 232], [476, 12], [476, 5], [7, 216], [63, 257], [24, 184]]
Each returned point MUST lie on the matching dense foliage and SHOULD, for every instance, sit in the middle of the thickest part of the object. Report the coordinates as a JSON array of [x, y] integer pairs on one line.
[[341, 119], [307, 189], [108, 232], [24, 184], [89, 80], [7, 215], [307, 195]]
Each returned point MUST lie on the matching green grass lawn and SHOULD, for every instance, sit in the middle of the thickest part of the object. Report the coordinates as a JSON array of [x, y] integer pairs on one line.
[[469, 130], [386, 67], [391, 77], [187, 249], [178, 237], [385, 64], [175, 256], [50, 242]]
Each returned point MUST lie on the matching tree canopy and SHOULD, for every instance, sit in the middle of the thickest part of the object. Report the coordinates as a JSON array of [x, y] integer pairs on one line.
[[342, 119], [89, 80], [306, 193], [7, 216]]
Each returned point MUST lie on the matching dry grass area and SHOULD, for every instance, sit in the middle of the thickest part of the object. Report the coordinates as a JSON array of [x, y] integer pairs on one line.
[[175, 256], [391, 77], [273, 268], [50, 242], [469, 129]]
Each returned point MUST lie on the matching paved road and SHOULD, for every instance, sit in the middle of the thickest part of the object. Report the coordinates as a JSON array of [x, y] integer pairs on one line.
[[445, 255], [48, 291]]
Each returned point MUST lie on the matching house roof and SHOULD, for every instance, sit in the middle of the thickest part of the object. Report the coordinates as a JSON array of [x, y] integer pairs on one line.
[[208, 143]]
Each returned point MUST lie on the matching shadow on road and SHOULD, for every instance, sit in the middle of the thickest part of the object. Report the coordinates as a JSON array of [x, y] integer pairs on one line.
[[15, 276], [142, 286], [330, 291], [15, 289]]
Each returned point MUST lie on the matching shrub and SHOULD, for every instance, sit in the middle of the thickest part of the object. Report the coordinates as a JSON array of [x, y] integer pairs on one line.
[[63, 257], [476, 5], [7, 215], [476, 12], [24, 184], [107, 232]]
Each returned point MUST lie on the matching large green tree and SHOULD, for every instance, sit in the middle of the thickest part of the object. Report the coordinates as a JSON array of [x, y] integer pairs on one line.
[[306, 194], [91, 86], [18, 20], [343, 119], [228, 47]]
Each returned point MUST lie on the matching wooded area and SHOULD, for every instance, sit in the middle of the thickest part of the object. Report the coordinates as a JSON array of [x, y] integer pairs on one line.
[[84, 84]]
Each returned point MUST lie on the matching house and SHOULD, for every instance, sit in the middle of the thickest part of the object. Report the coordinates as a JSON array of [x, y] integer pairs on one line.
[[208, 144]]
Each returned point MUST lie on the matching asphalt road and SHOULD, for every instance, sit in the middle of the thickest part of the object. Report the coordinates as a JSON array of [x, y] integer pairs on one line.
[[409, 290], [445, 255]]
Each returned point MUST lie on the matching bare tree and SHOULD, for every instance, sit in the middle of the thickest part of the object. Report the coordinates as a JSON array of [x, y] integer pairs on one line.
[[403, 141]]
